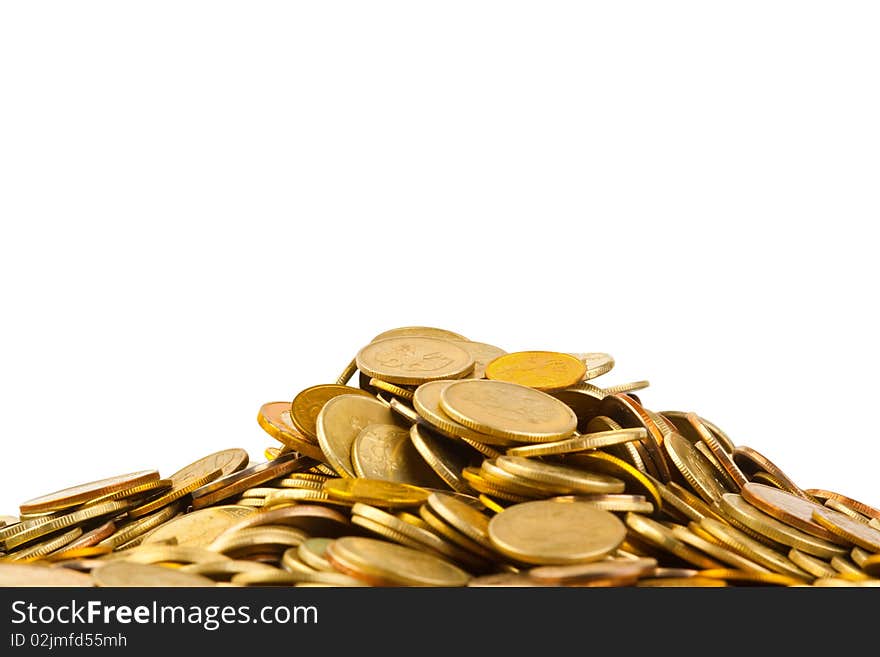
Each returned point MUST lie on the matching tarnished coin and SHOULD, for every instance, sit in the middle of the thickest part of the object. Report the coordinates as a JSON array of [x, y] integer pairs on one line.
[[304, 409], [482, 354], [33, 575], [508, 410], [426, 401], [414, 360], [420, 331], [199, 528], [82, 493], [550, 533], [383, 563], [126, 574], [447, 457], [385, 451], [226, 461], [560, 479], [376, 492], [789, 508], [547, 371], [340, 421]]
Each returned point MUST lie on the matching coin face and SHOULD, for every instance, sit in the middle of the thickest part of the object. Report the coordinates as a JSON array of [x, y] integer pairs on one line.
[[482, 354], [414, 360], [427, 402], [371, 559], [81, 493], [226, 461], [198, 528], [340, 421], [695, 468], [508, 410], [547, 371], [385, 451], [551, 533], [304, 409], [126, 574], [789, 508]]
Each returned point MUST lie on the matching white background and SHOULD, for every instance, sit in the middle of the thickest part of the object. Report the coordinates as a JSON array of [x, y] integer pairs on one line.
[[207, 206]]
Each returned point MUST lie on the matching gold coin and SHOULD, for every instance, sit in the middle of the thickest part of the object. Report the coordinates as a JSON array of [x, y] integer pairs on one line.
[[560, 478], [46, 547], [694, 467], [298, 482], [447, 457], [789, 508], [151, 487], [405, 393], [312, 519], [729, 484], [718, 552], [490, 504], [420, 331], [385, 451], [735, 506], [750, 460], [611, 502], [304, 409], [94, 536], [750, 577], [585, 400], [516, 580], [871, 565], [414, 360], [61, 522], [548, 533], [198, 528], [847, 568], [436, 524], [596, 363], [168, 554], [126, 574], [741, 542], [860, 507], [480, 484], [376, 492], [627, 412], [225, 568], [34, 575], [624, 571], [68, 497], [580, 443], [462, 517], [347, 373], [687, 582], [265, 539], [846, 528], [275, 419], [840, 507], [138, 528], [69, 553], [426, 401], [226, 461], [508, 410], [722, 457], [626, 387], [395, 565], [340, 421], [661, 536], [178, 491], [816, 567], [512, 483], [254, 475], [313, 551], [482, 354], [611, 465], [548, 371]]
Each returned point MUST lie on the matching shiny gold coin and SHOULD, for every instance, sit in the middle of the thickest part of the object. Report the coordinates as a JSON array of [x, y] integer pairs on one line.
[[420, 331], [512, 483], [43, 548], [275, 420], [789, 508], [874, 522], [376, 492], [299, 482], [227, 461], [483, 448], [560, 478], [339, 423], [286, 496], [462, 517], [662, 537], [69, 553], [750, 460], [47, 527], [490, 504], [258, 540], [414, 360], [138, 528], [436, 524], [178, 491], [347, 373], [611, 465], [694, 467], [480, 484], [847, 568], [840, 507], [735, 506], [626, 411], [82, 493], [549, 533], [306, 406], [596, 363], [626, 387], [816, 567], [846, 528], [871, 565], [750, 577], [254, 475], [860, 507], [722, 457], [548, 371], [426, 401], [151, 487], [729, 484], [395, 565], [312, 519], [508, 410], [615, 503], [313, 551], [839, 582], [397, 391], [126, 574], [580, 443], [717, 552], [385, 451], [38, 575], [740, 542], [446, 456], [482, 354], [199, 528]]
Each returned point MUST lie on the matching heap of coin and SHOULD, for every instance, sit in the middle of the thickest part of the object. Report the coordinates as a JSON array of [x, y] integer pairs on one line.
[[454, 463]]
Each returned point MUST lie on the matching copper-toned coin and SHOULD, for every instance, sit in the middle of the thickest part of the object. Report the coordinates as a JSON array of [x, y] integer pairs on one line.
[[238, 482], [750, 460], [94, 536], [82, 493], [790, 509], [178, 491], [304, 409]]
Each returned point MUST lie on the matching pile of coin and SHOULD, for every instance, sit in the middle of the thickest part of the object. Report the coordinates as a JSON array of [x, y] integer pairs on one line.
[[455, 463]]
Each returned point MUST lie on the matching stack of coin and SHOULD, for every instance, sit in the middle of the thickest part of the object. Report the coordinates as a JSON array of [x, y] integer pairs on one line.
[[455, 463]]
